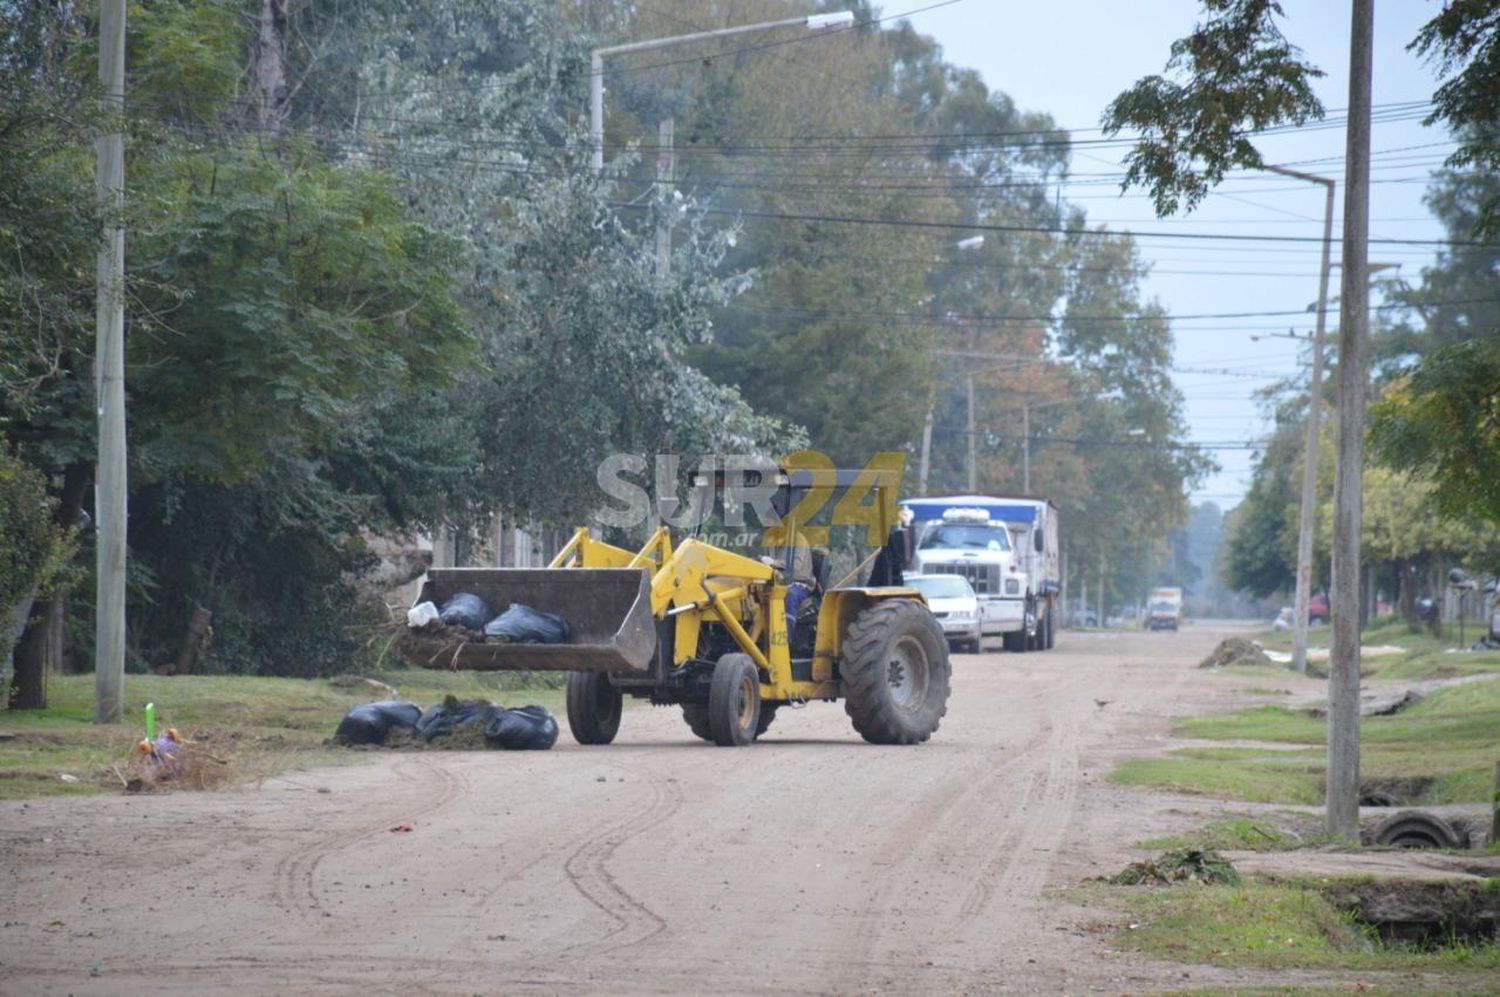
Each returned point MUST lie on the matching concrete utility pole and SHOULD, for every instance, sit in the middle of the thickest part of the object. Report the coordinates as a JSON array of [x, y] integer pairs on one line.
[[842, 20], [1026, 449], [109, 379], [1308, 512], [1343, 671], [666, 174], [926, 452], [973, 474]]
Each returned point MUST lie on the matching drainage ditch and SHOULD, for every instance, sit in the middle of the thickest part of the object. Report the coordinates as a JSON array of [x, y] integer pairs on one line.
[[1424, 915]]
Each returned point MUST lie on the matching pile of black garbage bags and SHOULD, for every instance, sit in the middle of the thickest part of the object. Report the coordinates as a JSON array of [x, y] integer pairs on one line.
[[525, 728], [519, 624]]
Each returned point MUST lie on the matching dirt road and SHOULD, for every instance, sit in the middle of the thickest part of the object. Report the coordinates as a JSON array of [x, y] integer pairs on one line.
[[811, 862]]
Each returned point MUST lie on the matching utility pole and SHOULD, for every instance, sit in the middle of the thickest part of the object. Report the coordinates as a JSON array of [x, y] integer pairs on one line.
[[926, 452], [973, 479], [1026, 449], [666, 173], [1343, 671], [1308, 512], [109, 378]]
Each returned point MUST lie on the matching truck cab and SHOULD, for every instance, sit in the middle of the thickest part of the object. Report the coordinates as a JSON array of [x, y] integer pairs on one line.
[[966, 542]]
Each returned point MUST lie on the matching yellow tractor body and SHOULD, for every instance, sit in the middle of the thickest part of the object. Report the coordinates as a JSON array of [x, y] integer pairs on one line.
[[706, 627]]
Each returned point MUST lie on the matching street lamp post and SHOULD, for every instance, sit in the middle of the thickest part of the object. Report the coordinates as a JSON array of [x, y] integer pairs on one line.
[[813, 22], [1308, 511]]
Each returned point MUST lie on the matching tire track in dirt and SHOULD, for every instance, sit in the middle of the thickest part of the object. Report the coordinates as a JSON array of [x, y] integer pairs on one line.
[[294, 876], [963, 817], [1013, 865], [587, 867]]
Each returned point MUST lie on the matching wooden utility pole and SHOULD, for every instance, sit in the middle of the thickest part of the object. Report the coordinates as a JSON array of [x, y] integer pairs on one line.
[[109, 378], [1343, 671]]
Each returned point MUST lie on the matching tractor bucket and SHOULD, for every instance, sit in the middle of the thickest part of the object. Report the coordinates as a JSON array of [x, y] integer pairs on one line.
[[608, 612]]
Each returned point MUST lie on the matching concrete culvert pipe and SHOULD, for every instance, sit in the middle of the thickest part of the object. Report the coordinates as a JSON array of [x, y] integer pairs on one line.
[[1416, 829]]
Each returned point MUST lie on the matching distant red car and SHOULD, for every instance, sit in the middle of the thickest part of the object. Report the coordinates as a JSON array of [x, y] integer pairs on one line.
[[1317, 608]]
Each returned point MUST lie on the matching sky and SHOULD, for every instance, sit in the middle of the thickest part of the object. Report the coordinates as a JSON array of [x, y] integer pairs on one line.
[[1069, 58]]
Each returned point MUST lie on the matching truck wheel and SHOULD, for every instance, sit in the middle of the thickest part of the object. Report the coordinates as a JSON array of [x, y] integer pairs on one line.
[[734, 701], [895, 673], [594, 707]]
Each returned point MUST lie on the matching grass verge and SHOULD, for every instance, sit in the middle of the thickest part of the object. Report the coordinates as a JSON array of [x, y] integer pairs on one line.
[[1446, 744], [257, 727], [1426, 656], [1274, 926]]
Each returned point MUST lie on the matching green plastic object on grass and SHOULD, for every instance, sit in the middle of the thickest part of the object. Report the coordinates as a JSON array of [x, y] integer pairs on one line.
[[151, 722]]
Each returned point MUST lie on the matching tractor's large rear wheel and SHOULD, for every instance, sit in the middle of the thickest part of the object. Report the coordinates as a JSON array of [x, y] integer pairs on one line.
[[895, 673], [734, 701], [594, 707]]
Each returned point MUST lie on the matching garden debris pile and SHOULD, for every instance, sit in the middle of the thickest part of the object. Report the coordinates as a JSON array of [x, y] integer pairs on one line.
[[1181, 865], [1235, 651], [453, 724]]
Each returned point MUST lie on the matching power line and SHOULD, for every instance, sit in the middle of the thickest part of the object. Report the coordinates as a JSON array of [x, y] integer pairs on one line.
[[1135, 234]]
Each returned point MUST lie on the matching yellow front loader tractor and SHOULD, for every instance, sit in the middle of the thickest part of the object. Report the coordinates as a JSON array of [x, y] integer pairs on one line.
[[693, 624]]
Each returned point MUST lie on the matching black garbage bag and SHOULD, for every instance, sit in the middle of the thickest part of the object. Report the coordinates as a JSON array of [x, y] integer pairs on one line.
[[465, 610], [520, 624], [450, 713], [369, 723], [526, 728]]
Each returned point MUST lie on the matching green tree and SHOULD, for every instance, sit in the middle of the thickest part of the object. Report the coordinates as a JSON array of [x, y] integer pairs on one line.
[[282, 312], [1443, 421], [1236, 74], [1463, 40], [1439, 417]]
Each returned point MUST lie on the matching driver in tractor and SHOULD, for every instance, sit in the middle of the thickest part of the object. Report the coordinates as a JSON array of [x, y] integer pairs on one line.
[[803, 588]]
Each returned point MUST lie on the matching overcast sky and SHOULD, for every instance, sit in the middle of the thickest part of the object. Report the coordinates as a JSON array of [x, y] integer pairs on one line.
[[1069, 58]]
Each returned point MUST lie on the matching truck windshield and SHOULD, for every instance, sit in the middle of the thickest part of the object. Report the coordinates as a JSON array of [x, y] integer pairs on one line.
[[971, 536]]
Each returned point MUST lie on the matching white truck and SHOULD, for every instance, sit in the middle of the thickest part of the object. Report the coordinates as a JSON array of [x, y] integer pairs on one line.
[[1007, 548], [1164, 609]]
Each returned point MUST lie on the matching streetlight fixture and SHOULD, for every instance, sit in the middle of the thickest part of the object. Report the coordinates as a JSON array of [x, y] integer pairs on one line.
[[841, 20]]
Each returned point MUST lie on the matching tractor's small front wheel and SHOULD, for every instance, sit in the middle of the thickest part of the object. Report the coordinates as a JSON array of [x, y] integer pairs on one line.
[[594, 707], [734, 701], [696, 715]]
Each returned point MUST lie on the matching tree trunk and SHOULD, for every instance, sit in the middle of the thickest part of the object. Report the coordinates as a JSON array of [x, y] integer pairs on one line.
[[1440, 603], [270, 67], [1406, 594], [28, 685], [40, 648], [194, 640]]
